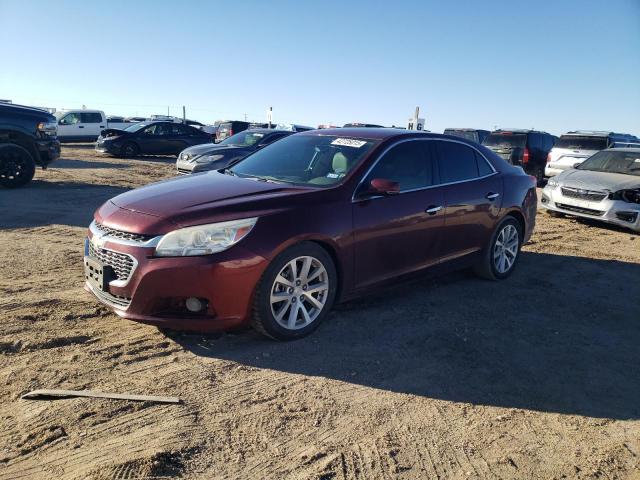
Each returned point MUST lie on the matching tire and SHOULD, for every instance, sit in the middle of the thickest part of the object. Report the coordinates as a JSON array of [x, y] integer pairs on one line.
[[17, 166], [276, 319], [129, 150], [486, 267], [539, 174]]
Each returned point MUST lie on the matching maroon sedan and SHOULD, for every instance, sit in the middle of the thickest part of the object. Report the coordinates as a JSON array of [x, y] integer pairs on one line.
[[276, 239]]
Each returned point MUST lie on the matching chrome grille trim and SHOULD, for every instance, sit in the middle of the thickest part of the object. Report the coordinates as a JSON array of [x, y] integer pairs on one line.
[[583, 194], [123, 264], [105, 237], [112, 232]]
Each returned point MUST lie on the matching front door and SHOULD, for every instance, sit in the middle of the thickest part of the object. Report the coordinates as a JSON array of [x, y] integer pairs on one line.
[[399, 233]]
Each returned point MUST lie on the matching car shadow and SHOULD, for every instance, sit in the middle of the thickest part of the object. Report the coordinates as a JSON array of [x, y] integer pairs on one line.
[[73, 163], [46, 203], [558, 336]]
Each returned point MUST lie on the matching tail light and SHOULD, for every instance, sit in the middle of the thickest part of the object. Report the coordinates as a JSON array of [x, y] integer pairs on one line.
[[548, 157], [525, 156]]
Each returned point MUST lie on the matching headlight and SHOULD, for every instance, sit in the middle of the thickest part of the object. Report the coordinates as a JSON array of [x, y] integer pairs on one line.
[[48, 128], [551, 183], [204, 239], [209, 158]]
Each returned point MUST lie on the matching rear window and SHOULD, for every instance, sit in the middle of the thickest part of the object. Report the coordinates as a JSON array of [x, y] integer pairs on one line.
[[506, 140], [581, 143], [467, 134]]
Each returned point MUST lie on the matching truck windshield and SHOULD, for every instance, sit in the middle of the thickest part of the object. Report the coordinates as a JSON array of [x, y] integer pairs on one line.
[[310, 160]]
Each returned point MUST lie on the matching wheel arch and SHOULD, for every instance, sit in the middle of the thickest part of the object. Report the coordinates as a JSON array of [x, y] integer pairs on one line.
[[521, 221], [21, 139]]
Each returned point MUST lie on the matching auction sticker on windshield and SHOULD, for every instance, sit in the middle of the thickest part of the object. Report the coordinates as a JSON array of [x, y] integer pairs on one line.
[[348, 142]]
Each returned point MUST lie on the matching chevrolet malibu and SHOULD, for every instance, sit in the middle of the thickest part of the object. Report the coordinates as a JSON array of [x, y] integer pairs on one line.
[[327, 215]]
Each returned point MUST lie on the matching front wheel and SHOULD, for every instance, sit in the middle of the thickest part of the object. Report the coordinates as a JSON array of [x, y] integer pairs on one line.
[[296, 292], [129, 150], [17, 166], [500, 257]]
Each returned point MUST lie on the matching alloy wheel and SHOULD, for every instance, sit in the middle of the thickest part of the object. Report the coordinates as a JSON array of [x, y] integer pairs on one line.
[[505, 250], [299, 292], [12, 165]]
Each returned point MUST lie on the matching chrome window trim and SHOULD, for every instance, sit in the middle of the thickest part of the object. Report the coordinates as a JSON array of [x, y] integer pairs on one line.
[[151, 243], [494, 171]]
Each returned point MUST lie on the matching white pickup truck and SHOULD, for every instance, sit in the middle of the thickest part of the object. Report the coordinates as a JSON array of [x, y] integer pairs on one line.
[[84, 125]]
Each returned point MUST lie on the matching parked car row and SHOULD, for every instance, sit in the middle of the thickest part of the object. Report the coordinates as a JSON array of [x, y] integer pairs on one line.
[[541, 154], [309, 219]]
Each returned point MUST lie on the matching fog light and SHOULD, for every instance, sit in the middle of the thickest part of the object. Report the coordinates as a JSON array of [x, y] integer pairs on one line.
[[194, 304]]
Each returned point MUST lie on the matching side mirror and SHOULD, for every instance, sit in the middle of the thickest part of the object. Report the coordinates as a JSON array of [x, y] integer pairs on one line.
[[383, 186], [576, 165]]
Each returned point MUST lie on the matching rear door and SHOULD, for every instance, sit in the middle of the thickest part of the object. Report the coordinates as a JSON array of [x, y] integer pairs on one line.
[[154, 139], [394, 235], [472, 198], [91, 124]]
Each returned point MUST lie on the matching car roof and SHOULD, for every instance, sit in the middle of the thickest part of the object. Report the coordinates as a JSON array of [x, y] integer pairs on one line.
[[624, 149], [518, 130], [266, 130], [467, 129], [378, 133]]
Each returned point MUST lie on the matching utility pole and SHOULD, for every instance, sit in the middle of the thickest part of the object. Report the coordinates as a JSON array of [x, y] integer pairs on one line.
[[270, 116], [184, 115]]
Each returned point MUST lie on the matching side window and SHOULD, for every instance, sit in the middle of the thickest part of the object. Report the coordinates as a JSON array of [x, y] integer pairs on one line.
[[179, 129], [90, 117], [483, 166], [408, 163], [271, 139], [70, 119], [457, 162]]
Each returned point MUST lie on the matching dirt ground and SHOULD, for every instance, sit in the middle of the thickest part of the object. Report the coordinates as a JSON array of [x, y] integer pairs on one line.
[[536, 377]]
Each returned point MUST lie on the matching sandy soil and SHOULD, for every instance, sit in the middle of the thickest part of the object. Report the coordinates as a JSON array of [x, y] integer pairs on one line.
[[536, 377]]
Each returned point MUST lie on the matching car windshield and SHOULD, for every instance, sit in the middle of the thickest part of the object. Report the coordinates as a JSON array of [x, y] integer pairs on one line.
[[136, 127], [311, 160], [508, 140], [468, 134], [581, 143], [243, 139], [613, 161]]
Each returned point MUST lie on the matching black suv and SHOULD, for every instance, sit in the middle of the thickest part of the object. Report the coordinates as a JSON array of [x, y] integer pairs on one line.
[[524, 148], [230, 127], [27, 138]]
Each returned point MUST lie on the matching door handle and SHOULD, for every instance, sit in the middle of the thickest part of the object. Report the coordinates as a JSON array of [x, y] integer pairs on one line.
[[492, 196], [80, 126], [433, 209]]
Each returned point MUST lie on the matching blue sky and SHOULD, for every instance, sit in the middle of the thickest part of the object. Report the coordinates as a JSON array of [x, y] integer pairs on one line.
[[553, 65]]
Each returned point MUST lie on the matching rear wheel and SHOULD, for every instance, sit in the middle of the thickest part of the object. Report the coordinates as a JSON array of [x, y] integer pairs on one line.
[[129, 150], [296, 292], [500, 257], [17, 166]]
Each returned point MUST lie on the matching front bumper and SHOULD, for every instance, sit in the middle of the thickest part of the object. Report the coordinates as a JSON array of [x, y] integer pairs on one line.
[[48, 150], [188, 167], [157, 287], [616, 212], [107, 147]]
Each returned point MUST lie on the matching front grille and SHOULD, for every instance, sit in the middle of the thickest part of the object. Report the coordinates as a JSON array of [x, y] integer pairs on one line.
[[583, 194], [112, 232], [586, 211], [121, 263], [184, 171], [111, 299]]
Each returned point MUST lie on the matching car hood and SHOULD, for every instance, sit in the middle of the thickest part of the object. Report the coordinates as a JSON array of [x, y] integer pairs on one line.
[[204, 198], [591, 180], [206, 148]]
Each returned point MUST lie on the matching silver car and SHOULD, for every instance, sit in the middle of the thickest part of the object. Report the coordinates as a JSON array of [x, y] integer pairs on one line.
[[605, 187], [573, 148]]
